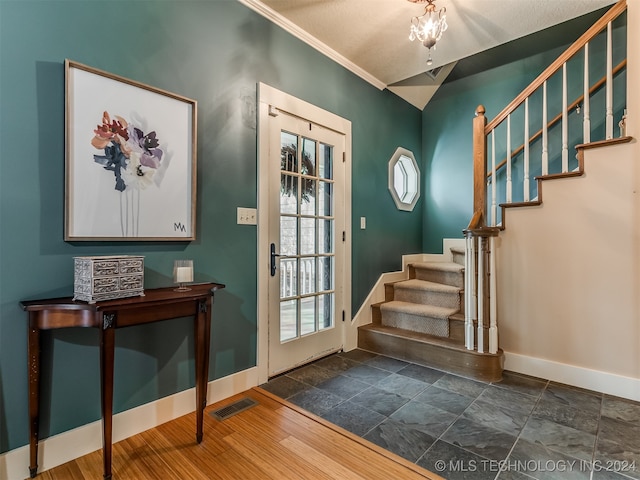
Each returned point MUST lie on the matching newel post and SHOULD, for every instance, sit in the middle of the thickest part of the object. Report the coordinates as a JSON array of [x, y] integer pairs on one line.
[[479, 161]]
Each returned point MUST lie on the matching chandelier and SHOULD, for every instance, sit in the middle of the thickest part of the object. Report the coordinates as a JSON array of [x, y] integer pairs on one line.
[[429, 27]]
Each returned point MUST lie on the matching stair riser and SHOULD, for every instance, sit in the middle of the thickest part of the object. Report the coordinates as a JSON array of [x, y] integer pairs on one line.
[[428, 297], [376, 315], [458, 257], [455, 279], [486, 368], [433, 326]]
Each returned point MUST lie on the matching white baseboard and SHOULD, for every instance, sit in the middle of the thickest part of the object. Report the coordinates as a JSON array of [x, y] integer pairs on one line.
[[67, 446], [610, 383]]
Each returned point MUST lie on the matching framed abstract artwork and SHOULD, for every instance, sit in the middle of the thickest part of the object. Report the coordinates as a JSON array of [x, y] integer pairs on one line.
[[130, 164]]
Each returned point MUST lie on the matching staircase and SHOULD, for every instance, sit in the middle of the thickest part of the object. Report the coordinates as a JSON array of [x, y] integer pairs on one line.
[[422, 321], [422, 318]]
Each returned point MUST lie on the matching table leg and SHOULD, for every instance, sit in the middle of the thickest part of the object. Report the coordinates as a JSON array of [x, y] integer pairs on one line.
[[106, 376], [33, 352], [202, 342]]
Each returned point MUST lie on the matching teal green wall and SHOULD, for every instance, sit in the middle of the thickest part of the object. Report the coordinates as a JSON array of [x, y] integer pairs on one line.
[[214, 52]]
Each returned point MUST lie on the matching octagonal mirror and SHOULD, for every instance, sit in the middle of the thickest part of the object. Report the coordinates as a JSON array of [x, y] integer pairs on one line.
[[404, 179]]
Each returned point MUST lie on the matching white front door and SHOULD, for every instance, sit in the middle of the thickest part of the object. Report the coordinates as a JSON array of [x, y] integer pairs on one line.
[[306, 241]]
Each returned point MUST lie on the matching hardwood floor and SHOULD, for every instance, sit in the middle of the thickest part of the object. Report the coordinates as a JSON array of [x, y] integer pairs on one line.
[[272, 440]]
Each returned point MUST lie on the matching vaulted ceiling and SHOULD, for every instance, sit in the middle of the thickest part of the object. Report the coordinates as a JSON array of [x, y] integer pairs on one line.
[[371, 37]]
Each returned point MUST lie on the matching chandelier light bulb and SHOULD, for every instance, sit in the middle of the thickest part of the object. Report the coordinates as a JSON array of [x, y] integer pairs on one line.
[[429, 27]]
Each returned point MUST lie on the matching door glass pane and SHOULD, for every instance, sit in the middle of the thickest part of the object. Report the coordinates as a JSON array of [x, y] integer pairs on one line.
[[308, 309], [325, 163], [325, 311], [308, 168], [325, 236], [288, 320], [308, 198], [288, 277], [307, 236], [288, 152], [288, 235], [325, 273], [288, 194], [325, 201], [307, 275], [308, 157]]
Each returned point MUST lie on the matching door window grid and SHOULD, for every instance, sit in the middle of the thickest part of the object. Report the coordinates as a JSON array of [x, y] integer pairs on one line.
[[306, 238]]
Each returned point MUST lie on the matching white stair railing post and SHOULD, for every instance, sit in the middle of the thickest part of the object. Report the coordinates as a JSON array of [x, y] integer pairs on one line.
[[468, 292], [474, 288], [509, 182], [609, 86], [586, 107], [493, 305], [526, 194], [480, 290], [545, 133], [565, 122], [494, 206]]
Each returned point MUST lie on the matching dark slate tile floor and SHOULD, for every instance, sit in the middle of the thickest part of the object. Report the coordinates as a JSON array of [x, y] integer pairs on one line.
[[520, 428]]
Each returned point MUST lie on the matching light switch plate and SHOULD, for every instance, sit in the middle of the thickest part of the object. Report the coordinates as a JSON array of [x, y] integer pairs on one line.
[[247, 216], [363, 223]]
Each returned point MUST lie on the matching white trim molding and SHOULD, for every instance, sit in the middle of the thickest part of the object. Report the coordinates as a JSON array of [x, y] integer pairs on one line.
[[312, 41], [67, 446], [609, 383]]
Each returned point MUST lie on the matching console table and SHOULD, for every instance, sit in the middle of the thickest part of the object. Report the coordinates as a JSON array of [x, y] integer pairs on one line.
[[155, 305]]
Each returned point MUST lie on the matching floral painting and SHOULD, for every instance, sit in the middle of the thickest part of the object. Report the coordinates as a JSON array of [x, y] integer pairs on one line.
[[132, 156], [130, 160]]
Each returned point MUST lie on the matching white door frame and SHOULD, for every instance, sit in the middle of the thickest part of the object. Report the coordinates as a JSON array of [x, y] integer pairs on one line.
[[270, 98]]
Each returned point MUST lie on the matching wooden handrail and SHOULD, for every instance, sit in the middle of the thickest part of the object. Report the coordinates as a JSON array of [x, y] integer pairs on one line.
[[477, 221], [558, 117], [595, 29]]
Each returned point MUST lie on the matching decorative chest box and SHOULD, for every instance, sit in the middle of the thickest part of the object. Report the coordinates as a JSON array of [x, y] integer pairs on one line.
[[109, 277]]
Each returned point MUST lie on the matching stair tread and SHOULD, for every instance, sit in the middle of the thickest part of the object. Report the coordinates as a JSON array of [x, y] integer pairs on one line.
[[445, 342], [423, 337], [418, 309], [415, 284], [442, 266]]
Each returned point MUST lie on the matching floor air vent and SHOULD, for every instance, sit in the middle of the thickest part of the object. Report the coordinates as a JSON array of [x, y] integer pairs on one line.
[[236, 407]]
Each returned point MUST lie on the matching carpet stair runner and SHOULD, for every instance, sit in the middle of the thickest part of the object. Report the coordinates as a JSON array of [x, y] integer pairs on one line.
[[422, 320]]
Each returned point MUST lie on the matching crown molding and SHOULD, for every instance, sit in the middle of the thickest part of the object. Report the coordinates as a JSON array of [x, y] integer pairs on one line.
[[312, 41]]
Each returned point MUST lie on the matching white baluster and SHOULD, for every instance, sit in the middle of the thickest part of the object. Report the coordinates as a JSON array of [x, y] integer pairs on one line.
[[545, 136], [480, 289], [609, 86], [526, 150], [586, 109], [474, 287], [468, 293], [509, 184], [493, 305], [494, 206], [565, 122]]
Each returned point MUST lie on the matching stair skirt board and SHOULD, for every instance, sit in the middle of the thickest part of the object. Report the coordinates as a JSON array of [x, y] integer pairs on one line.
[[442, 354]]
